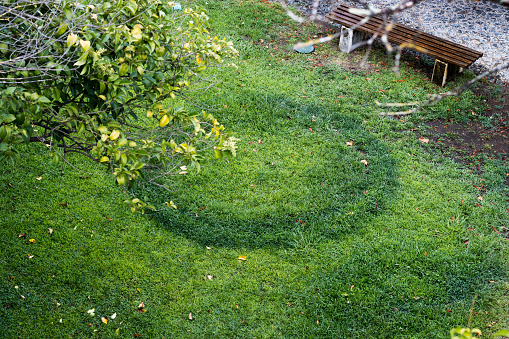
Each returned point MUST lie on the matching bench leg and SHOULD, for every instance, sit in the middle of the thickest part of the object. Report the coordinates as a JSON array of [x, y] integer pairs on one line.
[[444, 72], [350, 39]]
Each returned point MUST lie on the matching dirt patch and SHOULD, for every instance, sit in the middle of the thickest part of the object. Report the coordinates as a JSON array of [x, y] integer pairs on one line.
[[472, 143]]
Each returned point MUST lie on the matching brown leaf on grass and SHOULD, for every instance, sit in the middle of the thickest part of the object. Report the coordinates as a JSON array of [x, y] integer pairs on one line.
[[365, 162], [104, 320], [22, 235], [466, 242], [242, 258], [423, 140], [50, 230], [349, 143], [141, 308], [210, 277], [190, 316], [32, 241], [40, 178]]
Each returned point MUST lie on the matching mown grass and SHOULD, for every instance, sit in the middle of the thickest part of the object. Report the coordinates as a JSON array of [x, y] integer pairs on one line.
[[334, 248]]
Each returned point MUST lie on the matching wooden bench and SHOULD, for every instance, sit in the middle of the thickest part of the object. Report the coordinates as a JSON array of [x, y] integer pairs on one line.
[[450, 57]]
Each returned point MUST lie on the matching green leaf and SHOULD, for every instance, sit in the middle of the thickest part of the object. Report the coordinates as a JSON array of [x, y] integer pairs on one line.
[[152, 46], [81, 128], [121, 179], [7, 118], [9, 90], [123, 70], [82, 60], [25, 136], [122, 142], [4, 48], [61, 30], [44, 100]]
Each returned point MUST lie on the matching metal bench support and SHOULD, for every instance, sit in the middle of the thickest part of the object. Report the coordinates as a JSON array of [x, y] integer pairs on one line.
[[444, 72], [350, 39]]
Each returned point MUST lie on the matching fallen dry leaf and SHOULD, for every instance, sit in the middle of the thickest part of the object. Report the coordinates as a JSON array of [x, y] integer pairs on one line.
[[30, 256], [365, 162], [50, 230], [243, 258], [349, 143], [91, 312], [32, 241], [190, 316], [141, 308], [104, 320], [40, 178], [21, 235], [210, 277], [479, 198], [114, 315], [423, 140]]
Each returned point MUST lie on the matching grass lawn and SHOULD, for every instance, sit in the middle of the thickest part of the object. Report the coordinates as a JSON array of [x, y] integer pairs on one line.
[[395, 246]]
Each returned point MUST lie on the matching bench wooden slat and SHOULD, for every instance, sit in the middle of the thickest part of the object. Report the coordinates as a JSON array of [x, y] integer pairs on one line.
[[408, 31], [436, 47]]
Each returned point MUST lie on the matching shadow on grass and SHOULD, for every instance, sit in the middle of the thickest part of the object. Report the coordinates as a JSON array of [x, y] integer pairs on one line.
[[302, 183]]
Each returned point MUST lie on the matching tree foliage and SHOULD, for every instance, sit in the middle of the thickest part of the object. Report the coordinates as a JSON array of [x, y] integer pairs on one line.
[[107, 80]]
